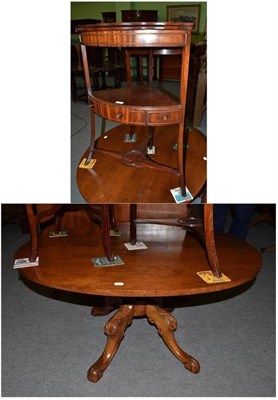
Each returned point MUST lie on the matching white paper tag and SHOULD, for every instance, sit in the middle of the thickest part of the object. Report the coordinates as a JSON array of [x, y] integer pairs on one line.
[[137, 246], [25, 262], [151, 150]]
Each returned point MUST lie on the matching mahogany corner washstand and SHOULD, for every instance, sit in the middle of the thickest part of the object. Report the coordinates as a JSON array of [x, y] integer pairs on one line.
[[168, 267], [140, 105]]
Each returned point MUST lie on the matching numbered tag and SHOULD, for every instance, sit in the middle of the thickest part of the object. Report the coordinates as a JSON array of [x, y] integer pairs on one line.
[[209, 278], [90, 164], [176, 193], [130, 138], [137, 246], [25, 262], [104, 262], [57, 234]]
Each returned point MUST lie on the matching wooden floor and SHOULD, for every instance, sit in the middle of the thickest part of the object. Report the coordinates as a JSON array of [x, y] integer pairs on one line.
[[168, 266], [110, 181]]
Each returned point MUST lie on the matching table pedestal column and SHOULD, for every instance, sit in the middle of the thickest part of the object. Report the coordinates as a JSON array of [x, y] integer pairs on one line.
[[115, 330]]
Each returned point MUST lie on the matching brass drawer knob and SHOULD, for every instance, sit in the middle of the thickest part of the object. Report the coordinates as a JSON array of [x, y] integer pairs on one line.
[[119, 115], [165, 117]]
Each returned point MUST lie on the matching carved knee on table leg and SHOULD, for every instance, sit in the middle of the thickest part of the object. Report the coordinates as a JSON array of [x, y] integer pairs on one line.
[[114, 329], [166, 325]]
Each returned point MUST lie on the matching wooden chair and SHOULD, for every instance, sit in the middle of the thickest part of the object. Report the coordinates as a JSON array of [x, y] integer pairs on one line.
[[140, 53], [101, 65], [38, 214], [168, 214]]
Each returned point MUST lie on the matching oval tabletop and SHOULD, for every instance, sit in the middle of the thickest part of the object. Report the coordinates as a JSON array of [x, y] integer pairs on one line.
[[114, 182], [168, 267]]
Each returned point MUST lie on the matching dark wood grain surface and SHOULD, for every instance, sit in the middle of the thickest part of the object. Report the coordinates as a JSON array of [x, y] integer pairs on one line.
[[136, 34], [168, 267], [110, 181]]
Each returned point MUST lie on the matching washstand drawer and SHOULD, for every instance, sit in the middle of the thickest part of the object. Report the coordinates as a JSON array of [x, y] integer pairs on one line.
[[122, 114], [164, 117]]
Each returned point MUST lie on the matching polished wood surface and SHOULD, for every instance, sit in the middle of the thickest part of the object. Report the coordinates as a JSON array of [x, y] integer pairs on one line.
[[168, 267], [136, 34], [141, 105], [111, 181], [201, 227]]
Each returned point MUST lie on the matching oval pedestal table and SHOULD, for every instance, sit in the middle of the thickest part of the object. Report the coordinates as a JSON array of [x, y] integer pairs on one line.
[[169, 266]]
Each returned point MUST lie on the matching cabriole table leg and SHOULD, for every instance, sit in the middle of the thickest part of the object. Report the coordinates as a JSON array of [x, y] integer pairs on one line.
[[166, 325], [114, 329], [116, 326]]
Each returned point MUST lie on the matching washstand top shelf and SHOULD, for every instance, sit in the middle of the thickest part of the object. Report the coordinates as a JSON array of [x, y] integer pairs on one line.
[[136, 34], [132, 104]]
